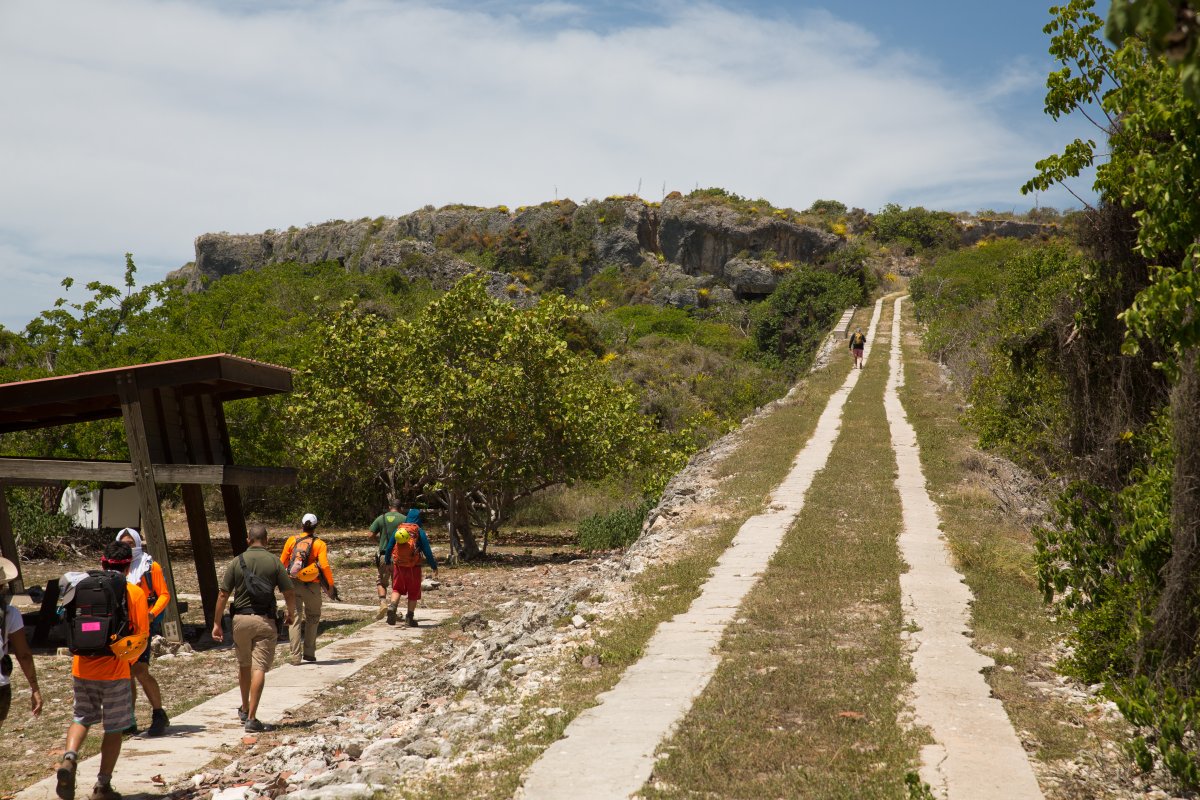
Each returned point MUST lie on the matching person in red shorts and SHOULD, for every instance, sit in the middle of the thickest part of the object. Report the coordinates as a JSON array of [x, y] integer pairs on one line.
[[411, 544]]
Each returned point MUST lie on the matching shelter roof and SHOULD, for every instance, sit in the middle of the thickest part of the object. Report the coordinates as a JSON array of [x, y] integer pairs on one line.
[[86, 396]]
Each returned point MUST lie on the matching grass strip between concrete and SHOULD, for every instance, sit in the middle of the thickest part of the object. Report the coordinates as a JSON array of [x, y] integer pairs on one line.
[[663, 591], [808, 700]]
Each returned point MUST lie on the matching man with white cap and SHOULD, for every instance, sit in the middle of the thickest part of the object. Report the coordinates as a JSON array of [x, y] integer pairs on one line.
[[12, 643], [306, 559]]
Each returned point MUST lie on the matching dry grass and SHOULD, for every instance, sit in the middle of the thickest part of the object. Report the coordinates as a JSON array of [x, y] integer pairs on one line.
[[995, 555], [807, 700], [758, 465]]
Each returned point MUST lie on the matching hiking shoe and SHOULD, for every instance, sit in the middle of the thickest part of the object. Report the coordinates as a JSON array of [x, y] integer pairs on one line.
[[104, 791], [243, 715], [66, 779], [391, 616], [158, 723], [255, 726], [410, 620], [310, 659], [381, 613], [132, 730]]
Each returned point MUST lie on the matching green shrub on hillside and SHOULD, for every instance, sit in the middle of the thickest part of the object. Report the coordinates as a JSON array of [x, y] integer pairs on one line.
[[619, 528], [915, 228], [789, 325]]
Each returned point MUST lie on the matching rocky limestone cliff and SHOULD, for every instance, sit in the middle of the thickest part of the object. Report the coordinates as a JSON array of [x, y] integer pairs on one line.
[[699, 238], [975, 230]]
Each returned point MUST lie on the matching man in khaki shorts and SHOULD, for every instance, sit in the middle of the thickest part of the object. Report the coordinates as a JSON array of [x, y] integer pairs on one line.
[[252, 579]]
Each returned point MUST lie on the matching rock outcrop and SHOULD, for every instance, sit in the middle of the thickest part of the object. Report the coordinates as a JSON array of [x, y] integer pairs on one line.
[[975, 230], [699, 238]]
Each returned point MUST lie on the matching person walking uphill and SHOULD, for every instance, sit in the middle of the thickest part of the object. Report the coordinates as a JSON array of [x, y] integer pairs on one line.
[[108, 626], [410, 544], [12, 643], [306, 559], [252, 579], [858, 343], [148, 576], [384, 529]]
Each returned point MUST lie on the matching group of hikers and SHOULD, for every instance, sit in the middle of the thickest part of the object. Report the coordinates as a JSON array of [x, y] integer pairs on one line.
[[111, 615]]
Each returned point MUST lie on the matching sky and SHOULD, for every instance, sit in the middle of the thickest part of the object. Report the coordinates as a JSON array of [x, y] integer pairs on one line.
[[137, 125]]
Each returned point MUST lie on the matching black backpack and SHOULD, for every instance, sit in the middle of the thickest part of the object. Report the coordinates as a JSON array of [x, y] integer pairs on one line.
[[261, 591], [98, 615]]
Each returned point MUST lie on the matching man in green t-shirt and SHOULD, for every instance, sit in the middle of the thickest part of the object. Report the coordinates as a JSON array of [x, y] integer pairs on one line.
[[254, 630], [384, 529]]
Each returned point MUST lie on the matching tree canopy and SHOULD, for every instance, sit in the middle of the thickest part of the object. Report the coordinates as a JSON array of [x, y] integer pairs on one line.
[[472, 402]]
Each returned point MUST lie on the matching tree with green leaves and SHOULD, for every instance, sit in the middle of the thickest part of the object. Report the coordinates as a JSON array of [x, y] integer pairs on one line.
[[1143, 98], [472, 402]]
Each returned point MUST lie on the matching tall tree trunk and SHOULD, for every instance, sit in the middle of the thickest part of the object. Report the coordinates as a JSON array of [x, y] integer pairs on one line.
[[1177, 617], [461, 537]]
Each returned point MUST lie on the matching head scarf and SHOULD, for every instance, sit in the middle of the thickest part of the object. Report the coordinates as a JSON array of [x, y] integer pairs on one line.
[[141, 559]]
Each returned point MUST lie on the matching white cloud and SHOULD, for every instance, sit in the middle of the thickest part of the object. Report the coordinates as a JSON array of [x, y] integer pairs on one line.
[[138, 124]]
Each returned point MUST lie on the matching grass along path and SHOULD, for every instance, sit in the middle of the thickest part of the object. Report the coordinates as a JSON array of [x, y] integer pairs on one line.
[[807, 701], [761, 460], [1074, 740], [679, 660], [976, 752]]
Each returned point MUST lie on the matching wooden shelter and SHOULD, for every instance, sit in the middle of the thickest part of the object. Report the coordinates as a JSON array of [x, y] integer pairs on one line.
[[175, 426]]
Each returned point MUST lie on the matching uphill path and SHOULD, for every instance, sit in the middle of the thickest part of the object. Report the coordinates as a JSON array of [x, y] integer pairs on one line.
[[609, 750]]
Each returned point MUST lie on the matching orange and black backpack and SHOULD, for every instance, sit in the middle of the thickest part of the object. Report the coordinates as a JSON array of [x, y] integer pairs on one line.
[[407, 553]]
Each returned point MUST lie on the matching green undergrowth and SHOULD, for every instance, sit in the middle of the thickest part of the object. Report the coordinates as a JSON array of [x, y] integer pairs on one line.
[[807, 699], [995, 555], [758, 465]]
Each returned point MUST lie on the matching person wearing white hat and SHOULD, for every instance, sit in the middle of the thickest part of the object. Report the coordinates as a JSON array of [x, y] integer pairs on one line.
[[12, 643], [145, 573], [306, 559]]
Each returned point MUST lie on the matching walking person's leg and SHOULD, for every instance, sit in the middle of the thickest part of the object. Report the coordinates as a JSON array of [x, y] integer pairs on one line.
[[312, 621], [261, 658], [296, 631]]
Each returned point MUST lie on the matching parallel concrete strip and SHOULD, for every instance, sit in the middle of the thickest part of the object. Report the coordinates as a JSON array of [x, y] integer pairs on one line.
[[977, 754], [197, 735], [608, 750]]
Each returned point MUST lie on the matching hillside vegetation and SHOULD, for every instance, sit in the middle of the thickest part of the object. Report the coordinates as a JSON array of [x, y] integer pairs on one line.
[[1081, 360]]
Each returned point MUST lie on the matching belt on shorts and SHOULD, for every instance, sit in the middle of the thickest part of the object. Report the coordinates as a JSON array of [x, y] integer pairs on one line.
[[250, 614]]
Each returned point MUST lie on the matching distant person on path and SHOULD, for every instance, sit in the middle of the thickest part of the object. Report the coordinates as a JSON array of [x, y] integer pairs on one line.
[[306, 559], [12, 643], [384, 529], [148, 576], [858, 342], [410, 544], [252, 579], [98, 612]]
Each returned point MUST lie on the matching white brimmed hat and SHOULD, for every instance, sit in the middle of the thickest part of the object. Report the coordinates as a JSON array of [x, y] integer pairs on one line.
[[309, 519], [8, 571]]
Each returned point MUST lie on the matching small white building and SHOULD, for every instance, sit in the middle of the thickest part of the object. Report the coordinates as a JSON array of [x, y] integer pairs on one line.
[[115, 507]]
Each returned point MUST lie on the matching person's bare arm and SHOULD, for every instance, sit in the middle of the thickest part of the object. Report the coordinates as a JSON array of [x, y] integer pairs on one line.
[[218, 633], [20, 648]]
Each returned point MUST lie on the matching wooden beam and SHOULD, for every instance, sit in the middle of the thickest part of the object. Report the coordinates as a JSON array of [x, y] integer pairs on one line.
[[46, 470], [231, 496], [206, 568], [8, 543], [153, 532]]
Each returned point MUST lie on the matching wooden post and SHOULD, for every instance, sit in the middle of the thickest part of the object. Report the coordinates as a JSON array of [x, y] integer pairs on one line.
[[153, 532], [8, 543], [231, 495], [206, 569]]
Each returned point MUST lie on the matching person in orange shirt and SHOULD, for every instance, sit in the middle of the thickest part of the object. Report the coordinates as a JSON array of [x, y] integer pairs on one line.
[[306, 558], [102, 687], [145, 573]]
